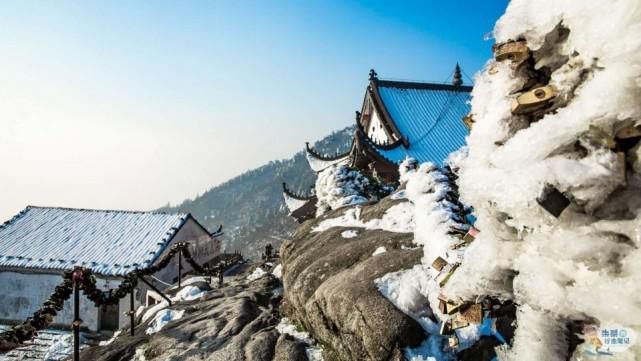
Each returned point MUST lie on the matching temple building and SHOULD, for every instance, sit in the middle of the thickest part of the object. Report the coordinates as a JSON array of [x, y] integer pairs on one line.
[[40, 243], [398, 119]]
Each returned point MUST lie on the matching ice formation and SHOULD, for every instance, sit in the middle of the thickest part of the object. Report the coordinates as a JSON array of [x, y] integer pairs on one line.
[[438, 217], [582, 152], [339, 186]]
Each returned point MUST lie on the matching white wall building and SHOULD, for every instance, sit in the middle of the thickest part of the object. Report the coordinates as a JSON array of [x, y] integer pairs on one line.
[[40, 243]]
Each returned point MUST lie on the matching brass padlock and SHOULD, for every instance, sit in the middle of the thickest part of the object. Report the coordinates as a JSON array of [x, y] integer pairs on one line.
[[471, 314], [439, 263], [456, 324], [468, 120], [452, 307], [447, 276], [532, 100], [514, 51]]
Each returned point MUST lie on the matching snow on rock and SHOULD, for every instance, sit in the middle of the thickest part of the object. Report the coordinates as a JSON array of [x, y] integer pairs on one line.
[[379, 250], [189, 293], [61, 348], [314, 352], [339, 186], [401, 194], [162, 318], [195, 279], [139, 355], [435, 212], [398, 218], [585, 264], [111, 340], [258, 273], [350, 233], [151, 311], [278, 271]]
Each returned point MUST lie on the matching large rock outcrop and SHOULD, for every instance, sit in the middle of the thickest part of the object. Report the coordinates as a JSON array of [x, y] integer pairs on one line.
[[235, 323], [330, 289]]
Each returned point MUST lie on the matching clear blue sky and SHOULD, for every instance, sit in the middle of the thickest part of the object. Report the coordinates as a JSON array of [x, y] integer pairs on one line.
[[130, 104]]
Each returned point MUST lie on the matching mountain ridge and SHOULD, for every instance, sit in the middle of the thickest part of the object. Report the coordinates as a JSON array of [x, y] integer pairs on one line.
[[251, 207]]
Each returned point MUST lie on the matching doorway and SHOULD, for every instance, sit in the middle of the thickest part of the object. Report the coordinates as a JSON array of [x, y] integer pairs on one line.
[[109, 317]]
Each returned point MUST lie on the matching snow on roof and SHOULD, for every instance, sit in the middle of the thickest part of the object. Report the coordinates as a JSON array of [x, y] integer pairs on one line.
[[429, 116], [293, 203], [318, 165], [108, 242]]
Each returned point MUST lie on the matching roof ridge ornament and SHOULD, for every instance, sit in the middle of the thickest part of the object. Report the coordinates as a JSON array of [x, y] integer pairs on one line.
[[373, 75], [457, 79]]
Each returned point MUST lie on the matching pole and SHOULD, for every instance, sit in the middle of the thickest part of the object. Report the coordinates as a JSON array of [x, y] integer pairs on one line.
[[77, 276], [180, 267], [132, 316]]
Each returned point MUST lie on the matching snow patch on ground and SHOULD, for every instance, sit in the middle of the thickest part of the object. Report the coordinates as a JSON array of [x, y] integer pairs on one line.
[[314, 352], [151, 311], [162, 318], [350, 233], [189, 293], [379, 250], [111, 340], [398, 218], [139, 355], [195, 279], [278, 271], [61, 348], [258, 273]]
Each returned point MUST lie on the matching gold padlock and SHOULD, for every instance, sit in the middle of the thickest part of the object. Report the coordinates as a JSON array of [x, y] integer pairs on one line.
[[514, 51], [456, 324], [532, 100], [468, 120], [447, 276], [439, 263], [471, 314]]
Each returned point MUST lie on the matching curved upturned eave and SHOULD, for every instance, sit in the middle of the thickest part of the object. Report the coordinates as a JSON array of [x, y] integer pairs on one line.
[[296, 202], [382, 109], [368, 143], [319, 163], [374, 143], [294, 195]]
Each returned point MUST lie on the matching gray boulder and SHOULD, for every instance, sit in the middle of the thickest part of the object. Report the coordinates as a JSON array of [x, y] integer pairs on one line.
[[330, 289]]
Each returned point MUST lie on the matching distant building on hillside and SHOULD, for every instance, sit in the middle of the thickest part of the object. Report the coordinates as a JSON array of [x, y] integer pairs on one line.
[[398, 119], [40, 243]]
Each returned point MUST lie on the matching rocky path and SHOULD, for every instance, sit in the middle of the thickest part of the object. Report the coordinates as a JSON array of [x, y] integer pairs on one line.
[[236, 322]]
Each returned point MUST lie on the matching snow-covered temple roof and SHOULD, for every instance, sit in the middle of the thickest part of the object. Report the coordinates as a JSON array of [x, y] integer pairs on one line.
[[319, 162], [108, 242], [301, 207], [425, 117]]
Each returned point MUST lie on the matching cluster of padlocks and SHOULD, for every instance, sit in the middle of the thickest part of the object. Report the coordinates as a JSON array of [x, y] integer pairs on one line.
[[455, 314], [538, 98]]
